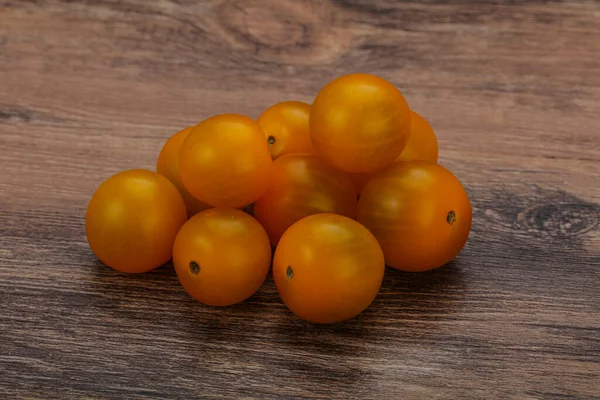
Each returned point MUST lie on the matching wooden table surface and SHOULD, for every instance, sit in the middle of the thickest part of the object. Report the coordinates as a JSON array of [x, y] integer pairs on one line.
[[89, 88]]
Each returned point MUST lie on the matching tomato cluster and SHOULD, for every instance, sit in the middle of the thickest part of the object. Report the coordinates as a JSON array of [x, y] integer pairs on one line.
[[340, 188]]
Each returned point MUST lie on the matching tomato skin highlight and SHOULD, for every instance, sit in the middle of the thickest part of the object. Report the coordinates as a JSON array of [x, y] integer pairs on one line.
[[222, 256], [328, 268], [132, 220], [225, 162], [303, 185], [359, 123], [286, 128], [419, 212], [422, 145], [168, 166]]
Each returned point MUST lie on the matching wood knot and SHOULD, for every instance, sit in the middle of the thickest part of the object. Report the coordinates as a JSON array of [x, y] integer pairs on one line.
[[284, 31], [278, 25], [529, 215], [559, 220]]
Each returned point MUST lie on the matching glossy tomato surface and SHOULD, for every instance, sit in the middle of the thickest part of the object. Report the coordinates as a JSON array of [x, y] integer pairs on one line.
[[359, 123], [303, 185], [285, 126], [328, 268], [225, 162], [132, 220], [221, 256], [419, 212], [422, 143], [168, 166]]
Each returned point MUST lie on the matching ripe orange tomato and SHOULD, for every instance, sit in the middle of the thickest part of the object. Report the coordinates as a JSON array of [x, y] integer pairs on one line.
[[328, 268], [359, 123], [286, 128], [221, 256], [225, 162], [419, 212], [422, 143], [132, 220], [303, 185], [168, 166]]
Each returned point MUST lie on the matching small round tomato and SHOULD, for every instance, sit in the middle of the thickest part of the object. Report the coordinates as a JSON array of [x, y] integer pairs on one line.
[[419, 212], [286, 128], [221, 256], [303, 185], [225, 162], [132, 220], [422, 143], [168, 166], [328, 268], [359, 123]]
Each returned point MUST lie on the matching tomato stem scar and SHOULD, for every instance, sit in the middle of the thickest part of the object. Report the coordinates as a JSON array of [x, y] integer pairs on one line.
[[289, 272], [194, 267], [271, 139], [451, 217]]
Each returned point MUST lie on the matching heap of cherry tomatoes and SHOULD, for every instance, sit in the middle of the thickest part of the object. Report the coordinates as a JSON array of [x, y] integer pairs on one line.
[[340, 188]]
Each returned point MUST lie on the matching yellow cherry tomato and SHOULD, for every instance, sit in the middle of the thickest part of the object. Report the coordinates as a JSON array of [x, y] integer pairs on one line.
[[359, 123], [303, 185], [168, 166], [225, 162], [132, 220], [328, 268], [222, 256], [419, 212], [286, 128]]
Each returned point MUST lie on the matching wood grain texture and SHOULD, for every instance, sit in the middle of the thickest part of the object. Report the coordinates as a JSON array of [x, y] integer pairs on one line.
[[88, 88]]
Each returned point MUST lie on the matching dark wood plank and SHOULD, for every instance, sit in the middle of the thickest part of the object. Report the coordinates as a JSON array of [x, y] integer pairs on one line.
[[88, 88]]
